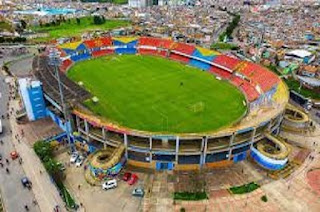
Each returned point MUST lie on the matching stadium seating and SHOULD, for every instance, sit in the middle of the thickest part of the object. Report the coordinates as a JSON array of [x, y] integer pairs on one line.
[[80, 56], [266, 79], [183, 48], [199, 64], [155, 42], [180, 58], [257, 74], [125, 45], [48, 78], [154, 46], [226, 61], [245, 68], [65, 65], [102, 52], [237, 81], [98, 47], [249, 91], [152, 51], [202, 57], [219, 72], [77, 51]]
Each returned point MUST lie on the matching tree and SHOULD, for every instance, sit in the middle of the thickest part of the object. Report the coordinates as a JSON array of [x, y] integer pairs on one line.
[[43, 150], [78, 21], [54, 169], [98, 20]]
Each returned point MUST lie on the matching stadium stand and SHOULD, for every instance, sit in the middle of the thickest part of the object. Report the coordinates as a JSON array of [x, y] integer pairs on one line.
[[245, 75], [249, 90], [154, 46], [201, 57], [99, 46], [257, 74], [77, 51], [237, 81], [65, 65], [125, 45], [46, 74], [180, 58], [219, 72], [266, 79], [66, 62], [226, 61], [181, 51]]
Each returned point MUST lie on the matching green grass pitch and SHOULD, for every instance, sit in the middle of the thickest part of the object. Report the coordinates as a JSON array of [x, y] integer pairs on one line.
[[158, 95]]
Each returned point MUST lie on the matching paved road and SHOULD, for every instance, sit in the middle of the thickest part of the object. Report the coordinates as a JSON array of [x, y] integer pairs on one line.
[[13, 194]]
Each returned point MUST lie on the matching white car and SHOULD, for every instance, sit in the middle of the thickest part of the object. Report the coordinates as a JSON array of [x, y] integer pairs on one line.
[[79, 161], [74, 157], [109, 184]]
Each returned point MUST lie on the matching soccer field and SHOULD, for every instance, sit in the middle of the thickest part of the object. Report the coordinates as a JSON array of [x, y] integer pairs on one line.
[[156, 94]]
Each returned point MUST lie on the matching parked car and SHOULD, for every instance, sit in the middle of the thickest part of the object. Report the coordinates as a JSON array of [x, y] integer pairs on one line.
[[109, 184], [138, 192], [74, 157], [133, 179], [126, 176], [26, 182], [14, 155], [79, 161]]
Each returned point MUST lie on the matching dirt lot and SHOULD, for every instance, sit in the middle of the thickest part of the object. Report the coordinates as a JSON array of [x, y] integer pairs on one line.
[[94, 198]]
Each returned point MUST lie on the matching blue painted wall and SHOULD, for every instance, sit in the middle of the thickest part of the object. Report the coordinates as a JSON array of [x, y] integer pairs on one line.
[[32, 96], [267, 163]]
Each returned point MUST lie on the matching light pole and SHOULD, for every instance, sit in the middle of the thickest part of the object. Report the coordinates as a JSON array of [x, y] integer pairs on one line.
[[55, 61]]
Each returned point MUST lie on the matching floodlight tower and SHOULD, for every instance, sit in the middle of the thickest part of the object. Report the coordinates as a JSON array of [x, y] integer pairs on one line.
[[55, 61]]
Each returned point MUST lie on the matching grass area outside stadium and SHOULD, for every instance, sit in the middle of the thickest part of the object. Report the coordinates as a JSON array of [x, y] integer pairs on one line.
[[71, 28], [295, 85], [158, 95]]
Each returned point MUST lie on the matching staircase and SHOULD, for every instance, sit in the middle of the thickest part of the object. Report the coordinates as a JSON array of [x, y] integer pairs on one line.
[[285, 172]]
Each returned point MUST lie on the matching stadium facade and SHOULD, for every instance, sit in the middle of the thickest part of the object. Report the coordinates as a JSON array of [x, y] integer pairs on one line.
[[265, 93]]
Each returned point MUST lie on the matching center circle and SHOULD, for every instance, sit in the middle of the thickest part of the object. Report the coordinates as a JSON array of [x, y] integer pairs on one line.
[[155, 94]]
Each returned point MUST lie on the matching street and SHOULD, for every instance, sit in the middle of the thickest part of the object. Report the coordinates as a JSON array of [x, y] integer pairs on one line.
[[14, 195]]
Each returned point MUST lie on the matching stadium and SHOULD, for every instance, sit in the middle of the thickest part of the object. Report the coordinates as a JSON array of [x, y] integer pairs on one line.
[[155, 103]]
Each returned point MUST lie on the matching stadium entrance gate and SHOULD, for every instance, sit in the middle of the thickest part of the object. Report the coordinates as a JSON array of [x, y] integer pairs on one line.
[[164, 166]]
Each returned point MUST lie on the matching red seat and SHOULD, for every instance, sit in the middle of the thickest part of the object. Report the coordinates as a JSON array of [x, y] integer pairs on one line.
[[220, 72], [249, 91], [179, 58], [155, 42], [183, 48], [65, 65], [96, 46], [226, 61]]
